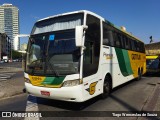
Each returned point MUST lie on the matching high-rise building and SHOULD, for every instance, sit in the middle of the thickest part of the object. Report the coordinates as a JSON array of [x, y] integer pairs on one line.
[[9, 23]]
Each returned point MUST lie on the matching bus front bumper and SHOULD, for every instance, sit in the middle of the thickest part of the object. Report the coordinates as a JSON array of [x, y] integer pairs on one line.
[[73, 94]]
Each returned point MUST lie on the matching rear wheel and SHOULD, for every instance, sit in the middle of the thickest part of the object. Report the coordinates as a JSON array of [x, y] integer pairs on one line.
[[106, 87], [139, 75]]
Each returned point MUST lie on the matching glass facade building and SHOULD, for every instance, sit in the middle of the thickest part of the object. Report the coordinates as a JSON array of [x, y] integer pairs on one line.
[[9, 23]]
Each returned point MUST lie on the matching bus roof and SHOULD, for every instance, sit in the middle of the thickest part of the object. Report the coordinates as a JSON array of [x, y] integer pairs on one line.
[[74, 12], [94, 14]]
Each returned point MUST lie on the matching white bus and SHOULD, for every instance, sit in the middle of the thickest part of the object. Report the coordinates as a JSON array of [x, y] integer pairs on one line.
[[78, 55]]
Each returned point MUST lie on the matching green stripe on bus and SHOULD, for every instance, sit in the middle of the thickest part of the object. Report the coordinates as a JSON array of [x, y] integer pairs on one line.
[[53, 80], [124, 62], [127, 62], [121, 61]]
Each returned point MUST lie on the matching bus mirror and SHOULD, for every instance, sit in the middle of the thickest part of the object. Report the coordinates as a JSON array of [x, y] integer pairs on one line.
[[79, 34]]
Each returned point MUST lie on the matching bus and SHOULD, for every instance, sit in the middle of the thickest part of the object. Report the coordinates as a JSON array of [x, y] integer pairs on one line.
[[78, 55], [153, 64]]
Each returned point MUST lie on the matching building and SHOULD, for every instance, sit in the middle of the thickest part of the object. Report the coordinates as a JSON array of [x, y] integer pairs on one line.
[[9, 22], [23, 47], [5, 46], [153, 48]]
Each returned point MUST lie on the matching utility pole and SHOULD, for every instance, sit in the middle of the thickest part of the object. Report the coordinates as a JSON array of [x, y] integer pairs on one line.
[[16, 40]]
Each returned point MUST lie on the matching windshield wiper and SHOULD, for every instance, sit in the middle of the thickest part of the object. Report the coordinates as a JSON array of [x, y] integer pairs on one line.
[[52, 69]]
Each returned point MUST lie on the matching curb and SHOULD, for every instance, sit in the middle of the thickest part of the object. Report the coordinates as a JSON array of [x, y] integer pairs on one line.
[[150, 106], [6, 97]]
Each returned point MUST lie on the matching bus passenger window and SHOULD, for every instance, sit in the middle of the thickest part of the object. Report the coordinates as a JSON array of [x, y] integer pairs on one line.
[[138, 46], [107, 35], [105, 41], [127, 44], [117, 40], [133, 45]]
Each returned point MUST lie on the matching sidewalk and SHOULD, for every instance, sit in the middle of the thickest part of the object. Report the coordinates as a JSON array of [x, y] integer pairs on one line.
[[153, 104], [157, 96]]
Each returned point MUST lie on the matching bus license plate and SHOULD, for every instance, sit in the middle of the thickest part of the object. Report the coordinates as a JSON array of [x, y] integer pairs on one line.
[[45, 93]]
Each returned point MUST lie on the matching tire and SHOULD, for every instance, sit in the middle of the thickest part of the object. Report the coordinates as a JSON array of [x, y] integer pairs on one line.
[[106, 87], [139, 75]]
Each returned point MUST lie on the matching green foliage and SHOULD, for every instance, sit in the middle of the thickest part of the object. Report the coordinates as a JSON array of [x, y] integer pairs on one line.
[[16, 54]]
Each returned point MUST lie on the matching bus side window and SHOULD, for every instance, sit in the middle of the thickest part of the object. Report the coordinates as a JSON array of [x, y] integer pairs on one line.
[[138, 44], [117, 41], [133, 45], [107, 35], [88, 51], [121, 40], [127, 43], [142, 47]]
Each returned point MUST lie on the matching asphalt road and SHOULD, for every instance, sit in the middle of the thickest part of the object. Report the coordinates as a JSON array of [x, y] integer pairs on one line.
[[132, 96], [129, 97]]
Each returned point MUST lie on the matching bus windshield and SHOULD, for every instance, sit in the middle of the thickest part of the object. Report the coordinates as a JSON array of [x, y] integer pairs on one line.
[[152, 63], [58, 23], [53, 53]]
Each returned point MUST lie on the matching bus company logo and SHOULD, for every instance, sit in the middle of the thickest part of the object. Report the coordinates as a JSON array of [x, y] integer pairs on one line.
[[108, 56], [92, 88], [136, 57]]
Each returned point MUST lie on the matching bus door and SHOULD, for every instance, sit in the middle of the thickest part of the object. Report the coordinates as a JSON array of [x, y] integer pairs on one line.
[[91, 58]]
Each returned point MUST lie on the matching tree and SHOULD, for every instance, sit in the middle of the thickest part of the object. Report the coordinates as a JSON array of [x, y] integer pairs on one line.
[[16, 54]]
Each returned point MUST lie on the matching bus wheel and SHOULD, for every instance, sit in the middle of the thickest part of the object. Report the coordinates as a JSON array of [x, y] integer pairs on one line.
[[139, 75], [106, 87]]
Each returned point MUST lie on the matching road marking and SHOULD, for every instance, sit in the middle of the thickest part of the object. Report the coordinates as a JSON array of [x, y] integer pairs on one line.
[[5, 76], [2, 79], [8, 73], [32, 106]]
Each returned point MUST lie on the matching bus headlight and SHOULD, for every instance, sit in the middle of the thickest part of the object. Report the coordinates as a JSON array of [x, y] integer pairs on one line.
[[71, 83], [27, 80]]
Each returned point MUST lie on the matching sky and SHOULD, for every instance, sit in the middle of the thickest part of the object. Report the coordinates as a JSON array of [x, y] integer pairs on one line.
[[140, 17]]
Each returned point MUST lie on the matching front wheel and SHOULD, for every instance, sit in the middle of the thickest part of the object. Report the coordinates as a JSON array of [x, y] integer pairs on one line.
[[106, 87]]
